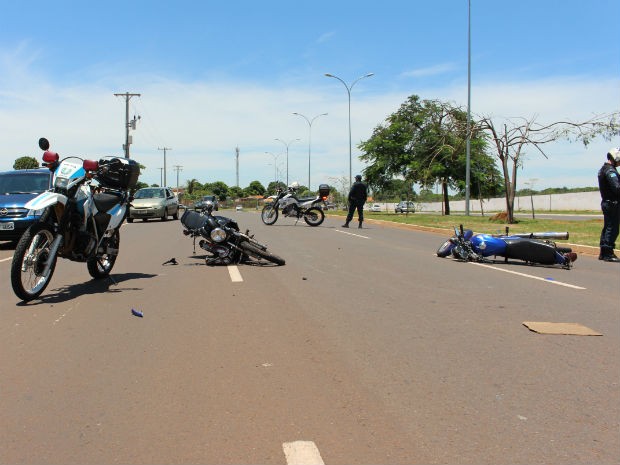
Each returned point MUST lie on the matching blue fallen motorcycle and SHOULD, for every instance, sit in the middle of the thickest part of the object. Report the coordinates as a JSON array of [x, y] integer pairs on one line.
[[533, 248]]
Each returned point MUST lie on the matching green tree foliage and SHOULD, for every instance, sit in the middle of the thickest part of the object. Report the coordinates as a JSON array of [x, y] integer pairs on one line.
[[273, 187], [235, 192], [424, 142], [255, 188], [218, 188], [26, 163]]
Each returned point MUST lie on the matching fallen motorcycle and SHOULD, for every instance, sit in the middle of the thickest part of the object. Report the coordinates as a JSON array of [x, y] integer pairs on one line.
[[221, 238], [76, 222], [533, 248], [286, 200]]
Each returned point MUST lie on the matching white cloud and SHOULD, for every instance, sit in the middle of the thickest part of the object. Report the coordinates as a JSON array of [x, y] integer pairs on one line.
[[441, 68], [204, 122]]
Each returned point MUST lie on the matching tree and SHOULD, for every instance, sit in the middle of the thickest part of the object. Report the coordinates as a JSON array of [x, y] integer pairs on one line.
[[218, 188], [423, 142], [26, 163], [511, 138], [255, 188], [192, 185], [274, 186], [235, 192]]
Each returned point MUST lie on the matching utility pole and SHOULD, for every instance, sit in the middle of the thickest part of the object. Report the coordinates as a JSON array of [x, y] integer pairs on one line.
[[177, 168], [161, 179], [128, 124], [164, 149], [237, 163]]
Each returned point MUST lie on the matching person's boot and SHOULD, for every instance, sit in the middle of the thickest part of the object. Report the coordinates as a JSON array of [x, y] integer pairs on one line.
[[360, 225], [346, 225]]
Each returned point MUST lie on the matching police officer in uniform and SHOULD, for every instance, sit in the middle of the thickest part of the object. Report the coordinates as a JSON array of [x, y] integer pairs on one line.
[[357, 198], [609, 186]]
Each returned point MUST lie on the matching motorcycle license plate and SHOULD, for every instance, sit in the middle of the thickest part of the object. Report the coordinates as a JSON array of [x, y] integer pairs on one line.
[[8, 226]]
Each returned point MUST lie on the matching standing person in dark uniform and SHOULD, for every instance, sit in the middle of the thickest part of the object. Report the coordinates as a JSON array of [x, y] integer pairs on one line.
[[609, 186], [357, 198]]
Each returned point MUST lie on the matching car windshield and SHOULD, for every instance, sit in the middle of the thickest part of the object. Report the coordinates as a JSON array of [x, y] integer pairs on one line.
[[24, 183], [149, 194]]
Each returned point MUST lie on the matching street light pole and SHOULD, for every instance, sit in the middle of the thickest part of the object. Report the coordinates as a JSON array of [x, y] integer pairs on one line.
[[309, 139], [286, 145], [468, 147], [349, 93]]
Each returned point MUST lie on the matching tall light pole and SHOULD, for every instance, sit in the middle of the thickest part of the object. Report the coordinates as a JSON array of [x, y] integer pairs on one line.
[[468, 146], [309, 121], [286, 145], [349, 93]]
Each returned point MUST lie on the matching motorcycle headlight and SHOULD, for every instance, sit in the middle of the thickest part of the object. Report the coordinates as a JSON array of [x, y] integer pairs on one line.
[[218, 235]]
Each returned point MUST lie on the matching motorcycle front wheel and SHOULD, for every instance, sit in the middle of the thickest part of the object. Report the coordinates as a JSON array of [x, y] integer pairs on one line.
[[256, 252], [31, 253], [269, 215], [314, 216], [101, 266], [445, 249]]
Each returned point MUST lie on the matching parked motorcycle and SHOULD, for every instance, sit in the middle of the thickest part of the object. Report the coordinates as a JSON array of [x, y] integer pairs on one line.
[[537, 248], [76, 222], [286, 200], [222, 239]]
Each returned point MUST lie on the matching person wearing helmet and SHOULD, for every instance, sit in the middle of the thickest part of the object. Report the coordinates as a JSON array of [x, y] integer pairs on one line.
[[609, 186], [357, 198]]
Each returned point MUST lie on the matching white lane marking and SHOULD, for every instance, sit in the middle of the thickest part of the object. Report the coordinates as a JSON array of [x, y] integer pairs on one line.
[[6, 259], [547, 280], [302, 453], [235, 275], [351, 234]]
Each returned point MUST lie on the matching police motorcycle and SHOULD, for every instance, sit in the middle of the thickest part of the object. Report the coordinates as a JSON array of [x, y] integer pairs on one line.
[[80, 221], [220, 236], [532, 248], [286, 200]]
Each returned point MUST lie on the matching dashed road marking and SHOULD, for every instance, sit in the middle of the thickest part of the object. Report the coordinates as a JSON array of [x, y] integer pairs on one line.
[[302, 453], [6, 259], [547, 280], [351, 234], [235, 275]]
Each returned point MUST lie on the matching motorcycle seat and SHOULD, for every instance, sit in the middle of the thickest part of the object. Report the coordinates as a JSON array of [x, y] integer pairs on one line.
[[105, 201]]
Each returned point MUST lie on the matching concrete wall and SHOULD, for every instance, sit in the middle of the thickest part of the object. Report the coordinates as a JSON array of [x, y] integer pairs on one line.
[[542, 203]]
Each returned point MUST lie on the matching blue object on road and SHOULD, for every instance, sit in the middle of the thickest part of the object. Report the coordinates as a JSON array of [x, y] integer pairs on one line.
[[135, 312]]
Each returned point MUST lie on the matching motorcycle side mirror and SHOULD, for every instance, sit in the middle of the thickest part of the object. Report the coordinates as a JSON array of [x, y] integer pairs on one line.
[[44, 144]]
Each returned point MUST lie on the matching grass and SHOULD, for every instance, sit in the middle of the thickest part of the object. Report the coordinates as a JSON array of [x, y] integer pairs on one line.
[[582, 232]]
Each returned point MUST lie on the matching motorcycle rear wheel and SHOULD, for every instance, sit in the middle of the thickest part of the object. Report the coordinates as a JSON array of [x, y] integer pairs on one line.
[[269, 215], [314, 216], [101, 266], [256, 252], [29, 259]]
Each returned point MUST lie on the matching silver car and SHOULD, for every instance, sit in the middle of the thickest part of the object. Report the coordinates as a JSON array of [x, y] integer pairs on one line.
[[154, 202]]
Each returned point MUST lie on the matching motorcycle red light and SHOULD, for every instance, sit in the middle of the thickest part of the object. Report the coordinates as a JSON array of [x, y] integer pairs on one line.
[[50, 157], [90, 165], [324, 198]]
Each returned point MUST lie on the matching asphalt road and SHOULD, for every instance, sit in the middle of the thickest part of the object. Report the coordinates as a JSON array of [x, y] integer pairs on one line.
[[364, 348]]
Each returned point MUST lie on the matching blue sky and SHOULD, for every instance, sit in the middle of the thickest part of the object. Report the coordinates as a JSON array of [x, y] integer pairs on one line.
[[214, 76]]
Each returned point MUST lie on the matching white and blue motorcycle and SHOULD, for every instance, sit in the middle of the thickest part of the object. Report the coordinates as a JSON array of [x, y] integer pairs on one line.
[[80, 220]]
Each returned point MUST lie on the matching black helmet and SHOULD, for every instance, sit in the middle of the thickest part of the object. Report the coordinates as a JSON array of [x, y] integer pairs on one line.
[[358, 177]]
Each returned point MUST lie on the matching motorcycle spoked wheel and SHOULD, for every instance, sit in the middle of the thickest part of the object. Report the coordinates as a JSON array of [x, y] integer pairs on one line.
[[101, 266], [29, 259], [256, 252], [314, 216], [445, 249], [269, 215]]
